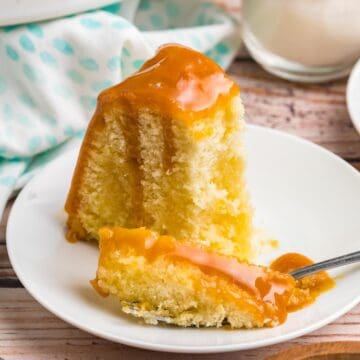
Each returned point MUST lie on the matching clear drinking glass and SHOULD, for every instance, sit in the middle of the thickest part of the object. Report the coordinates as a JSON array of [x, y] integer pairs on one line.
[[303, 40]]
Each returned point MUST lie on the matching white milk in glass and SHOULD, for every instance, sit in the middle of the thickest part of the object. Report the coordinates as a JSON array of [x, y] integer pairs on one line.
[[305, 40]]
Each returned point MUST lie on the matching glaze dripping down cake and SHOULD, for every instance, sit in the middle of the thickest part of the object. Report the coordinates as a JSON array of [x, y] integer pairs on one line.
[[164, 151]]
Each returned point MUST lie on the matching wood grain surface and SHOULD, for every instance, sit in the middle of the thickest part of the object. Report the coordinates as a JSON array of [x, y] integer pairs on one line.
[[315, 112], [28, 331], [339, 350]]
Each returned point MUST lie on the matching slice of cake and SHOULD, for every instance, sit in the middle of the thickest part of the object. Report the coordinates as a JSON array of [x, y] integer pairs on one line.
[[160, 279], [164, 150]]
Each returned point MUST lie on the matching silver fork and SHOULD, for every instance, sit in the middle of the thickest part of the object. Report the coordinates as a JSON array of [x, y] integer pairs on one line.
[[327, 264]]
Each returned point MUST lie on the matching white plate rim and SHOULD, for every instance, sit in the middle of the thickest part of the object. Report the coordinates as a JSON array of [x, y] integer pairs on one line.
[[179, 348]]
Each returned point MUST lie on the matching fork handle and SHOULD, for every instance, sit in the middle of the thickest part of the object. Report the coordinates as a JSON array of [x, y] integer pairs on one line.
[[327, 264]]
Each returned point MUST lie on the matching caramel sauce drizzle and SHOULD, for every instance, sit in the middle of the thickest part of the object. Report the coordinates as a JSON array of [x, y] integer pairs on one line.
[[309, 287], [176, 81]]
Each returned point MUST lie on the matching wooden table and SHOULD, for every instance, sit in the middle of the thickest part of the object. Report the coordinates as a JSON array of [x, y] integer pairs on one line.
[[315, 112]]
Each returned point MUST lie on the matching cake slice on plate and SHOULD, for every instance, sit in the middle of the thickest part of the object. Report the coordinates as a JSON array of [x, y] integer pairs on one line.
[[160, 184], [164, 150], [160, 279]]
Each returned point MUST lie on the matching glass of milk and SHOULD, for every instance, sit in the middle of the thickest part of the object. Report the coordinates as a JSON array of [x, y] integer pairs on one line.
[[303, 40]]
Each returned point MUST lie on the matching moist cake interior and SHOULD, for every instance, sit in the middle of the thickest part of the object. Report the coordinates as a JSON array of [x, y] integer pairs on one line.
[[164, 150]]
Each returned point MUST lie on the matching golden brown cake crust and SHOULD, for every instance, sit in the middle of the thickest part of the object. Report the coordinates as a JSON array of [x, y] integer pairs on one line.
[[75, 229]]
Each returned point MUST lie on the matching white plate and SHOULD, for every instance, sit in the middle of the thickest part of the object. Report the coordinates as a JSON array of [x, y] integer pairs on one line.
[[353, 96], [308, 198], [23, 11]]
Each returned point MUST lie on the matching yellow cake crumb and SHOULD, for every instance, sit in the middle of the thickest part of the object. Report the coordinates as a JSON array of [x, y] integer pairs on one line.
[[165, 150]]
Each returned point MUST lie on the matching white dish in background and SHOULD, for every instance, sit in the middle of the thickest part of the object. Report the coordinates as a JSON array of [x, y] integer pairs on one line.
[[305, 196], [353, 96], [24, 11]]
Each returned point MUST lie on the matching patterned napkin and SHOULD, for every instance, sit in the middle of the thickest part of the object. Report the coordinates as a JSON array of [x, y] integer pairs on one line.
[[51, 72]]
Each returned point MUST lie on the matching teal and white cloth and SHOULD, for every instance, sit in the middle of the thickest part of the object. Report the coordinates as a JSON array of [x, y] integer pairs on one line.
[[51, 72]]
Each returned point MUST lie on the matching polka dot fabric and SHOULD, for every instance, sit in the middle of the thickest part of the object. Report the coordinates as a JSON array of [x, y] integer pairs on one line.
[[51, 72]]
